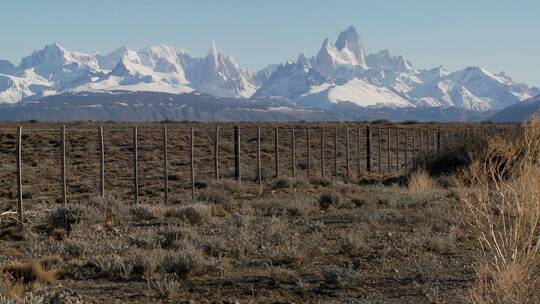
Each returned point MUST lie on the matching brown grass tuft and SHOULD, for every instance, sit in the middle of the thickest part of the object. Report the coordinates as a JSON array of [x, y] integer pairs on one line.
[[421, 181]]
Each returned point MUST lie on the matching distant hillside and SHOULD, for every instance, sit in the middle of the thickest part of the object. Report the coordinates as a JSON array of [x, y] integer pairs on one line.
[[518, 112], [157, 106]]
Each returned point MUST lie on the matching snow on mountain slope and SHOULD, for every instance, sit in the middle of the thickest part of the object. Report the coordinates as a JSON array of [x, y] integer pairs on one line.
[[499, 88], [220, 75], [357, 92], [152, 69], [55, 63], [157, 68], [168, 69], [13, 88], [343, 59], [473, 88], [292, 80], [109, 61], [350, 40], [385, 61]]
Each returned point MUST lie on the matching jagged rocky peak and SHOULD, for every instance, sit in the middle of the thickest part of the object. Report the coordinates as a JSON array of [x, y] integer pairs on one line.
[[6, 67], [302, 59], [221, 76], [127, 65], [434, 74], [346, 57], [55, 56], [351, 40], [385, 61], [263, 75], [163, 59], [109, 61]]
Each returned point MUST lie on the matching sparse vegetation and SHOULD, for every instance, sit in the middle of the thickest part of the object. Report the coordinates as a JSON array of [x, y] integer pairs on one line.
[[381, 238]]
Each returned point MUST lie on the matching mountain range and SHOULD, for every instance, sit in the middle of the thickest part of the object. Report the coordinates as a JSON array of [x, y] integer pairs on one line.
[[341, 80]]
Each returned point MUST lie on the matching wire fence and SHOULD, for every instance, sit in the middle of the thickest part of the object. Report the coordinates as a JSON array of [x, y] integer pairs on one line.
[[166, 163]]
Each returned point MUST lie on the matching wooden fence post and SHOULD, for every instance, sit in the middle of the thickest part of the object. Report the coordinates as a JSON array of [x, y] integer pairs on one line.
[[397, 149], [435, 141], [237, 163], [293, 154], [216, 154], [406, 166], [413, 144], [380, 150], [135, 167], [322, 152], [259, 173], [347, 153], [388, 162], [192, 162], [308, 147], [165, 166], [429, 141], [439, 141], [335, 153], [101, 162], [276, 151], [359, 156], [422, 146], [63, 164], [20, 216], [368, 149]]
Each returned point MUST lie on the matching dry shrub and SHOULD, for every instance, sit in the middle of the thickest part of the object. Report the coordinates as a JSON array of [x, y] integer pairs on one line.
[[30, 272], [441, 243], [281, 183], [504, 204], [108, 207], [295, 207], [421, 181], [321, 181], [163, 286], [329, 199], [142, 213], [194, 214], [188, 261], [111, 266], [217, 196], [67, 216], [354, 242]]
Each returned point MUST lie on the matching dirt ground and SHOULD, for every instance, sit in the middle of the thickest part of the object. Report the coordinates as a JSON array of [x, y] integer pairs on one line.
[[303, 243]]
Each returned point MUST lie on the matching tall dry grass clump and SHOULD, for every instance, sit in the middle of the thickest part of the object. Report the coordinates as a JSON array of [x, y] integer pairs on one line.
[[504, 203], [421, 181]]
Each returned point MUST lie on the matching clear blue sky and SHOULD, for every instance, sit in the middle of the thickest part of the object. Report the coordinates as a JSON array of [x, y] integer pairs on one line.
[[499, 35]]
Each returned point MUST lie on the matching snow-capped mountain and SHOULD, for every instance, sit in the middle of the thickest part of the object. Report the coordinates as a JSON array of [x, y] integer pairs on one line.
[[219, 75], [303, 83], [161, 68], [341, 75], [382, 80]]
